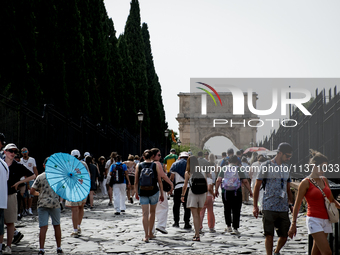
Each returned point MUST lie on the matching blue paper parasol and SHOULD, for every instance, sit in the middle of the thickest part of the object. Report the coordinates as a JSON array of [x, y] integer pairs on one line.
[[68, 177]]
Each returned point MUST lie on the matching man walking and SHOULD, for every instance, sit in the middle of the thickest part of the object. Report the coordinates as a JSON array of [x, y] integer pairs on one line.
[[177, 171], [16, 171], [48, 205], [31, 165], [169, 160], [275, 180], [119, 177]]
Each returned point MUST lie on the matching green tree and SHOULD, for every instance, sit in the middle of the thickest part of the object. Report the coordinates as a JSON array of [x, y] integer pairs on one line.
[[135, 48], [20, 66], [155, 101]]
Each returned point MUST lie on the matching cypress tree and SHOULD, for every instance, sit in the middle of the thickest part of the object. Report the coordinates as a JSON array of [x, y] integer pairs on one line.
[[128, 92], [155, 102], [135, 47], [20, 67], [51, 55], [72, 44]]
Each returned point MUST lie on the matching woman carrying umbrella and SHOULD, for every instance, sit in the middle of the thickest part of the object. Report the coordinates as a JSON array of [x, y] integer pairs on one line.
[[77, 208]]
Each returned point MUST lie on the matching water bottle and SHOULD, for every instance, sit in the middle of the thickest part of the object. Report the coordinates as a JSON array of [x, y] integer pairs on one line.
[[117, 177]]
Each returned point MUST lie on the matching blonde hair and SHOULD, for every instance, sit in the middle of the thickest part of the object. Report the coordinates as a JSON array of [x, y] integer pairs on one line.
[[317, 158], [212, 158]]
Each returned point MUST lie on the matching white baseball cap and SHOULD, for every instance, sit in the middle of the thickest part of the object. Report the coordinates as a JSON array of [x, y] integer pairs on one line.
[[75, 153], [11, 146], [87, 154], [184, 154]]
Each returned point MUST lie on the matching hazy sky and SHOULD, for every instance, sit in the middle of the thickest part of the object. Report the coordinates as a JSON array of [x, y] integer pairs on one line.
[[242, 39]]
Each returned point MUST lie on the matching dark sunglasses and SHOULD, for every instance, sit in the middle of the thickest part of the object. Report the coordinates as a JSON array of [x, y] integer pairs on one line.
[[288, 155], [158, 155], [12, 151], [24, 151]]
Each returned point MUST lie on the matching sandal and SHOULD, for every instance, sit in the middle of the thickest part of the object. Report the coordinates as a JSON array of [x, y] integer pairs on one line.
[[196, 239], [146, 240]]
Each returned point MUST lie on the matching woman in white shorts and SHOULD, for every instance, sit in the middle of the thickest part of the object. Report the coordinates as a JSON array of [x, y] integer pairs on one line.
[[194, 202], [317, 220]]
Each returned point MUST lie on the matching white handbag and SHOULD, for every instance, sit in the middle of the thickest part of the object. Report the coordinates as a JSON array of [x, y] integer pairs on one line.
[[333, 213]]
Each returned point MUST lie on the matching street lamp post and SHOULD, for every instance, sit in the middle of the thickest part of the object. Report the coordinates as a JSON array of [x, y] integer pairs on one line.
[[140, 119], [179, 145], [166, 133]]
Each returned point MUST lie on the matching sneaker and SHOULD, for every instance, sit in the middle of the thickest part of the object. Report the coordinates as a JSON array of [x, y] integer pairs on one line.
[[7, 250], [74, 234], [79, 231], [24, 213], [29, 211], [212, 230], [187, 226], [228, 229], [122, 211], [176, 225], [235, 232], [41, 252], [117, 213], [17, 238], [110, 203], [162, 230], [131, 200], [60, 251]]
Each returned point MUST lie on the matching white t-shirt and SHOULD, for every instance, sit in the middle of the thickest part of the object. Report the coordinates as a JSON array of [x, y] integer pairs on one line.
[[29, 163], [178, 179], [109, 163], [4, 175]]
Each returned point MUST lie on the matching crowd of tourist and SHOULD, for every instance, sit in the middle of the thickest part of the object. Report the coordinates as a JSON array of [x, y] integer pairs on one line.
[[193, 181]]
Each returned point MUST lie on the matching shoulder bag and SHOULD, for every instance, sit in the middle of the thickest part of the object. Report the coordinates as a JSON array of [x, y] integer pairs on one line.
[[333, 213]]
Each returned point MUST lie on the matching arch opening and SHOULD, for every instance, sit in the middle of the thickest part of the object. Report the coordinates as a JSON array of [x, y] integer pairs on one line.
[[218, 144]]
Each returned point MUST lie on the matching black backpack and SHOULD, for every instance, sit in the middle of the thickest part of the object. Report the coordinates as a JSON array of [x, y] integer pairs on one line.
[[117, 174], [198, 183], [146, 177]]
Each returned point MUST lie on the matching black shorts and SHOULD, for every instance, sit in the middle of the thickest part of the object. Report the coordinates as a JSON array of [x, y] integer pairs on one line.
[[132, 180], [278, 220]]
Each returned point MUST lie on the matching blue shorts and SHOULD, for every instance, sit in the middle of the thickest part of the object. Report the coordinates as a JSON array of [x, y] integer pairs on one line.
[[2, 222], [31, 184], [44, 214], [149, 200]]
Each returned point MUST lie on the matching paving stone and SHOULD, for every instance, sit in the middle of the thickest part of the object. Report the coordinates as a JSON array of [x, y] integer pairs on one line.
[[105, 233]]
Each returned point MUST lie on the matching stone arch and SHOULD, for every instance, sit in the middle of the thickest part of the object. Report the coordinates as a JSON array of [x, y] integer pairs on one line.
[[196, 128], [211, 135]]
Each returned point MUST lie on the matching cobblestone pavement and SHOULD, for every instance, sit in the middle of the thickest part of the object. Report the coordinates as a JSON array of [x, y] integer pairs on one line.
[[106, 233]]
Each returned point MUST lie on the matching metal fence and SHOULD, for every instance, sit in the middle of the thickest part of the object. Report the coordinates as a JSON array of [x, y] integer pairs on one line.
[[50, 132], [319, 131]]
